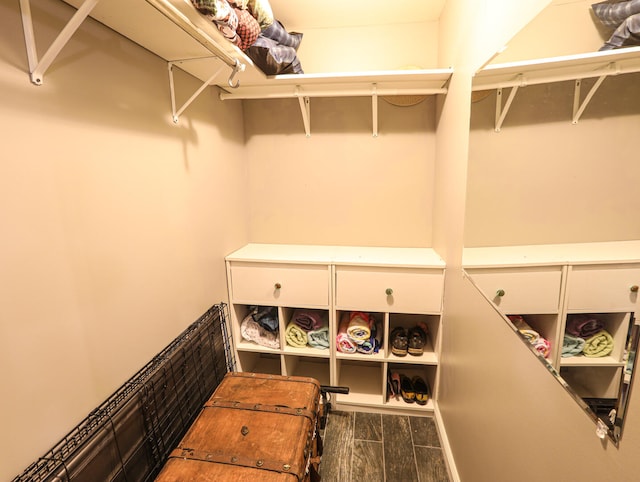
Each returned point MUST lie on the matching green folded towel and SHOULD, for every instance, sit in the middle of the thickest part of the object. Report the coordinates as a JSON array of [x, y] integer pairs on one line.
[[295, 335], [599, 345]]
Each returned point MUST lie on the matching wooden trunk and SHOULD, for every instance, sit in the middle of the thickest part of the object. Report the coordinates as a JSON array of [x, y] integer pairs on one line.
[[254, 427]]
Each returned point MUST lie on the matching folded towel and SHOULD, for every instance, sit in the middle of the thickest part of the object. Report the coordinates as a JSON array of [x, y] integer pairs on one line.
[[525, 330], [542, 346], [266, 316], [359, 329], [572, 345], [600, 344], [344, 343], [583, 326], [372, 345], [309, 319], [319, 338], [295, 335], [253, 331]]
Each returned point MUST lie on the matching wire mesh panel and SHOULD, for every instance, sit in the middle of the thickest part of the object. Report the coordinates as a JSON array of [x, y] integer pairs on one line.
[[129, 436]]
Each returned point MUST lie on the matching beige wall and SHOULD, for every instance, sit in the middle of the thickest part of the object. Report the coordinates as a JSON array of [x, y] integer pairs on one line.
[[114, 222], [542, 179], [341, 185]]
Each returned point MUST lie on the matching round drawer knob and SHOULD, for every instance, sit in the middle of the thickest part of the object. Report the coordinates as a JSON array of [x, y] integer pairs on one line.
[[499, 293], [277, 286], [389, 291], [634, 289]]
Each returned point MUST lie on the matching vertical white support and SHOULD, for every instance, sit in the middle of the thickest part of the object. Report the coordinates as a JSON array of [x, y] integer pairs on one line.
[[501, 112], [38, 68], [305, 109], [374, 108], [579, 108], [176, 114]]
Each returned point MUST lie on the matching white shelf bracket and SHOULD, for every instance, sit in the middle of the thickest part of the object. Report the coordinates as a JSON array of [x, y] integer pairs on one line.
[[37, 68], [501, 112], [578, 108], [374, 109], [177, 113], [305, 109]]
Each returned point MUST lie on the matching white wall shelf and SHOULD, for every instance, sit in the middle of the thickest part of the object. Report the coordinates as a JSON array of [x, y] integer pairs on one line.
[[514, 75]]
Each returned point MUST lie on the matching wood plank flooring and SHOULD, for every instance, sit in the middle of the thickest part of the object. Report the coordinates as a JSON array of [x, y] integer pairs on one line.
[[381, 448]]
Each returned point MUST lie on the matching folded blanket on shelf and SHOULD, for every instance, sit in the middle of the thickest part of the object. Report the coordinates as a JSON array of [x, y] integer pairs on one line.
[[265, 316], [309, 319], [295, 335], [599, 345], [370, 346], [572, 345], [359, 329], [344, 343], [542, 346], [319, 338], [252, 331], [583, 326], [525, 330]]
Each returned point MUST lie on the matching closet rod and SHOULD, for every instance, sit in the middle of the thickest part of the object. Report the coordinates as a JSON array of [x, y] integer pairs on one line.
[[298, 91]]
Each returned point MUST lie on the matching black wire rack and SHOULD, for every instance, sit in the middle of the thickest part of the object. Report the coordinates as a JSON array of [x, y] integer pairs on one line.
[[129, 436]]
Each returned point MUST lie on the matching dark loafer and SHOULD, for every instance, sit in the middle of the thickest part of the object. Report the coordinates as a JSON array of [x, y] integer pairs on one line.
[[407, 391], [399, 341], [421, 389], [417, 339]]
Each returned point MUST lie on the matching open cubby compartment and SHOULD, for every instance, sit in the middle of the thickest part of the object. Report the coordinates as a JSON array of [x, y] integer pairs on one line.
[[617, 325], [365, 380], [427, 372], [408, 321], [240, 312], [304, 366], [380, 323], [547, 325], [286, 317], [593, 381], [257, 362]]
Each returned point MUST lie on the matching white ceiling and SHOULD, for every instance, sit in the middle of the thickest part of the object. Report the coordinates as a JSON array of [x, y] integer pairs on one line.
[[307, 14]]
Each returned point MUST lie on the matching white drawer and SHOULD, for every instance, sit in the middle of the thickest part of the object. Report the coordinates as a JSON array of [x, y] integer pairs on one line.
[[389, 290], [280, 285], [521, 290], [601, 289]]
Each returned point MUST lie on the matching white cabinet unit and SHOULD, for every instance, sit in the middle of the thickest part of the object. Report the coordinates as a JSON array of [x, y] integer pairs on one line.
[[585, 291], [391, 287]]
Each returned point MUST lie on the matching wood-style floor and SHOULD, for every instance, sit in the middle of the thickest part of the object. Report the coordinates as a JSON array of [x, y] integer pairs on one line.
[[377, 448]]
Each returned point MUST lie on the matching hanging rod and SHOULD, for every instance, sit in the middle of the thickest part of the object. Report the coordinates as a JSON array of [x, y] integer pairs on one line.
[[37, 68]]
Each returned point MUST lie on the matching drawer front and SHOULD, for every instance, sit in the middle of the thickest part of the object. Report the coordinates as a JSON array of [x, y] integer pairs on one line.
[[601, 289], [410, 290], [521, 290], [280, 285]]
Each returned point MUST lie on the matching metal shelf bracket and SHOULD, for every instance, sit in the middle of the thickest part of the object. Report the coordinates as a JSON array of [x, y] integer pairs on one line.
[[374, 109], [37, 68], [305, 109], [176, 113], [501, 112], [579, 107]]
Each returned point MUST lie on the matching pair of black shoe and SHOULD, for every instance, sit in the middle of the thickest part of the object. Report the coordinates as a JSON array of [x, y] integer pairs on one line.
[[411, 390], [410, 340]]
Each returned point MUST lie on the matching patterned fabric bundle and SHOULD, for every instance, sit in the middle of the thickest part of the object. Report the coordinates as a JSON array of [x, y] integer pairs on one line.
[[343, 342], [359, 329], [252, 331], [539, 343]]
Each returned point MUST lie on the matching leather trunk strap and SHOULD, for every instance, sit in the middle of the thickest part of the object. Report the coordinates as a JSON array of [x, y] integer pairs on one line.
[[220, 458], [256, 407]]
